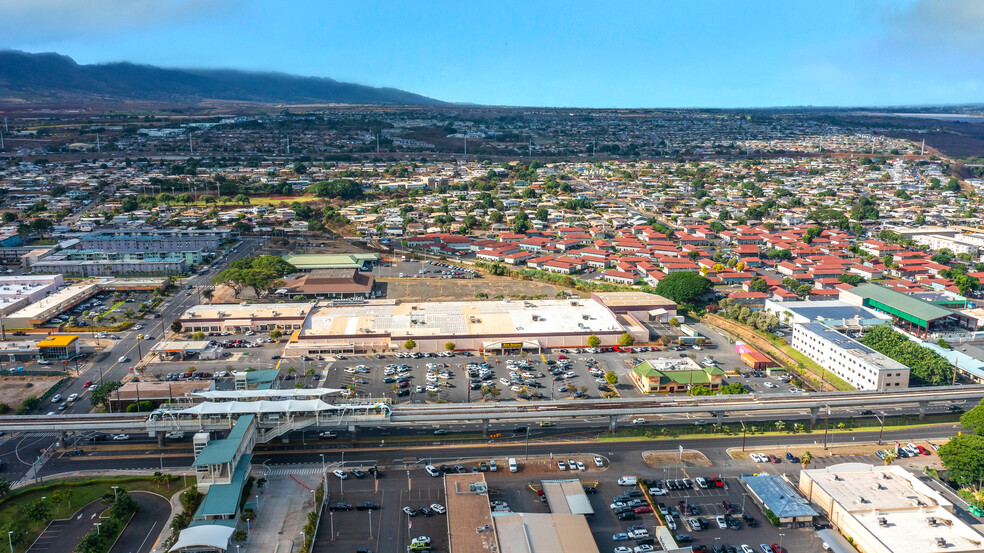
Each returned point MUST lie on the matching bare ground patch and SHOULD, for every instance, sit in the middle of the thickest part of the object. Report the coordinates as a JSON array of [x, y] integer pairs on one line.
[[673, 458], [13, 389]]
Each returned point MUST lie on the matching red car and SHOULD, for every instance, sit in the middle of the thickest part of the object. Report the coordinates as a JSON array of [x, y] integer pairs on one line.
[[643, 509], [776, 548], [775, 459], [561, 356], [87, 384], [403, 385], [923, 450], [718, 483]]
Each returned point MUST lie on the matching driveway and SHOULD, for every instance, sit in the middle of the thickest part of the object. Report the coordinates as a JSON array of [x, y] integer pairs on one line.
[[140, 536]]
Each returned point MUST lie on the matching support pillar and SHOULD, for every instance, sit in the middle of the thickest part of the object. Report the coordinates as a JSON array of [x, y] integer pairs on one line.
[[922, 409], [485, 427], [354, 431], [160, 439], [720, 418], [814, 411], [613, 423], [62, 437]]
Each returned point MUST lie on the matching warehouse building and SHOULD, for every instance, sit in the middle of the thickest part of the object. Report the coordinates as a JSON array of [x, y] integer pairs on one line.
[[916, 315], [852, 361], [887, 509], [313, 262]]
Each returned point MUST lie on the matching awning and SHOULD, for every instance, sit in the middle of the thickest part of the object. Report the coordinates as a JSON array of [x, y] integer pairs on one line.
[[247, 394], [259, 407], [211, 535]]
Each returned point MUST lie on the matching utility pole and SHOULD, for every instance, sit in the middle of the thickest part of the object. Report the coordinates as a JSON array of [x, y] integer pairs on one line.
[[826, 423], [98, 145], [466, 144], [881, 419], [191, 145], [742, 435]]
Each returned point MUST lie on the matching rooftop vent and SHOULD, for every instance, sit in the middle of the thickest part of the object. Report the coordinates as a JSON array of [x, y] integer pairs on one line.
[[882, 521]]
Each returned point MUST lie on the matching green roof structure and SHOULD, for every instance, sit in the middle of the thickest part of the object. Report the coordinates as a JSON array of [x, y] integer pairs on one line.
[[918, 313], [222, 500], [310, 262], [224, 450], [680, 376]]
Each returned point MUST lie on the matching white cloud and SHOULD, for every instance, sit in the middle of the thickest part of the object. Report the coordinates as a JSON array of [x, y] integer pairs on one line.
[[947, 23], [30, 21]]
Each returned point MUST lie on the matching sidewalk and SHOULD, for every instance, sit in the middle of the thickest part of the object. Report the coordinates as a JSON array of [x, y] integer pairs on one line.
[[281, 515]]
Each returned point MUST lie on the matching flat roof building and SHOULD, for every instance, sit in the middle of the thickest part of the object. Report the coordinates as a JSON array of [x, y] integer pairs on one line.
[[852, 361], [774, 493], [543, 533], [469, 514], [887, 509], [674, 375], [311, 262]]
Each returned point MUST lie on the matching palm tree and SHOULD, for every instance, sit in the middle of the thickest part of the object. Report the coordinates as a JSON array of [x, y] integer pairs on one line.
[[806, 459], [780, 425], [207, 294]]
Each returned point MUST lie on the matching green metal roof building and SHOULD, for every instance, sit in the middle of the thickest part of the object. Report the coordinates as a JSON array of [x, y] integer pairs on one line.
[[310, 262], [914, 314], [674, 375]]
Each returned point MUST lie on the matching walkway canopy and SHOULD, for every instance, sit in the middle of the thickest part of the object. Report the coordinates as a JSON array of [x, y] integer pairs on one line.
[[204, 538], [292, 393]]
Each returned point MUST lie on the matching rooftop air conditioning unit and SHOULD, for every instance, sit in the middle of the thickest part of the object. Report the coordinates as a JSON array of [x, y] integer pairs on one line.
[[876, 486], [860, 499]]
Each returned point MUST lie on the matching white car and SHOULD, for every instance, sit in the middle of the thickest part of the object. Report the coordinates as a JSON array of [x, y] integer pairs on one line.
[[581, 467], [438, 508], [639, 534], [72, 398], [570, 374], [670, 523], [599, 462], [121, 437], [422, 539], [350, 370], [722, 524], [644, 548], [701, 482], [432, 470], [341, 474], [623, 549], [561, 465], [639, 421], [123, 359], [657, 491]]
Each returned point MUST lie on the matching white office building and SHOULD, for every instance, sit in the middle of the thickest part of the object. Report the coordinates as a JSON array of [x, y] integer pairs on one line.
[[852, 361]]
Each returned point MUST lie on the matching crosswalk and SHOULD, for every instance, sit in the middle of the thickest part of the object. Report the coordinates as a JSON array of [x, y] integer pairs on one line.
[[296, 472]]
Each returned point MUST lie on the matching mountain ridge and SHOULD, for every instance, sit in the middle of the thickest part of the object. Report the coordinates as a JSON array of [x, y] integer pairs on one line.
[[51, 76]]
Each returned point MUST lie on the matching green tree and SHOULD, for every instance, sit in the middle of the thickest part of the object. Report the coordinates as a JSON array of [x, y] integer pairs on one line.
[[963, 456], [698, 390], [758, 284], [242, 199], [683, 287], [542, 214], [198, 336], [100, 394], [594, 341], [38, 511], [626, 339], [449, 346], [410, 344], [5, 486], [806, 459], [927, 368], [611, 378], [275, 334], [973, 420], [176, 326], [851, 278], [966, 283], [734, 388]]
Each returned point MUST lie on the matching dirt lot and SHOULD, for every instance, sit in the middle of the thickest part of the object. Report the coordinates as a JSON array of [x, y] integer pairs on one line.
[[13, 391], [436, 289], [691, 458]]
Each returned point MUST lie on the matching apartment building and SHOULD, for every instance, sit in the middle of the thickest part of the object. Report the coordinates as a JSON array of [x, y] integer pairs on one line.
[[852, 361]]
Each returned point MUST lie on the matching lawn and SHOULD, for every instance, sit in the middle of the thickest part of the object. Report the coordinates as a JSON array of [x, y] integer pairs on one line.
[[84, 491]]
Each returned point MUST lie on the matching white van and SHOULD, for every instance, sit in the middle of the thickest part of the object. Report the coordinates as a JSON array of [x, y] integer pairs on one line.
[[513, 467], [628, 481]]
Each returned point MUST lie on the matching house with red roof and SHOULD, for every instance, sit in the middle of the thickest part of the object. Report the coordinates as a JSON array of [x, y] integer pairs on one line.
[[824, 295], [620, 277]]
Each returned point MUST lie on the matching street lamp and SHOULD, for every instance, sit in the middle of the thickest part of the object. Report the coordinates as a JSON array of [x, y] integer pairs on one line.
[[10, 540], [115, 488], [304, 539], [97, 525], [527, 442], [780, 541]]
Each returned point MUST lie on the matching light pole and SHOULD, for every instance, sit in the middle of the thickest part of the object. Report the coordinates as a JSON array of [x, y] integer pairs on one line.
[[324, 472], [780, 541], [115, 488], [882, 429], [331, 520], [162, 462], [10, 540], [742, 435], [97, 525], [743, 496], [370, 522], [527, 442], [826, 423], [304, 539]]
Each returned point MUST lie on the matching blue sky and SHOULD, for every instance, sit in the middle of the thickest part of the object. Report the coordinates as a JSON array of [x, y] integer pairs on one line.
[[655, 53]]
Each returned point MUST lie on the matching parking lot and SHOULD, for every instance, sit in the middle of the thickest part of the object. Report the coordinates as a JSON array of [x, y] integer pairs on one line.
[[423, 269]]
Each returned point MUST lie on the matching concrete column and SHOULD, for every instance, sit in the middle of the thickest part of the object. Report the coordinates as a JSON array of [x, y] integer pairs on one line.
[[922, 409], [613, 423], [354, 430], [160, 439], [62, 437], [814, 411], [720, 418], [485, 428]]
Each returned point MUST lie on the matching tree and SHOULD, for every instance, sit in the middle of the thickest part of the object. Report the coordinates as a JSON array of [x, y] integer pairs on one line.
[[966, 283], [242, 199], [594, 341], [100, 394], [5, 486], [626, 339], [449, 346], [698, 390], [851, 278], [927, 368], [806, 459], [208, 294], [275, 334], [198, 336], [973, 420], [542, 214], [963, 456], [176, 326], [38, 511], [611, 378], [733, 389], [804, 290], [684, 287], [409, 344], [758, 284]]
